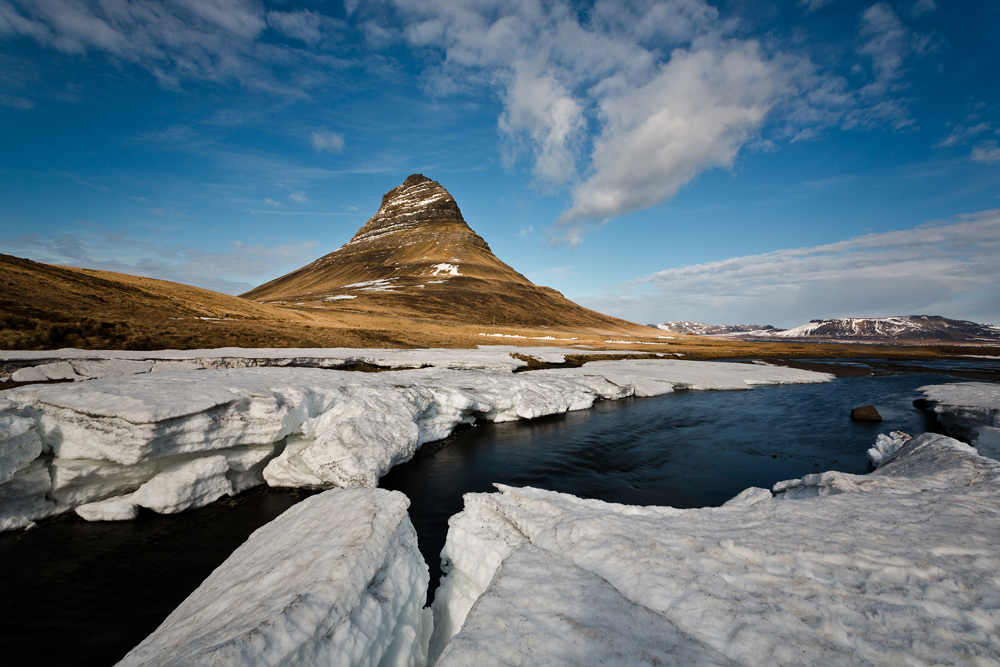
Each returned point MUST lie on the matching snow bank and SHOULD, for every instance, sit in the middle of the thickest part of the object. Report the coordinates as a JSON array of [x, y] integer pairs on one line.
[[970, 411], [335, 580], [895, 567], [305, 427], [73, 364]]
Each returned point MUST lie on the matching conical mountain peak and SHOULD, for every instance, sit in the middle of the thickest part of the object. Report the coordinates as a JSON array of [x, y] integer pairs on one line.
[[418, 203], [417, 257]]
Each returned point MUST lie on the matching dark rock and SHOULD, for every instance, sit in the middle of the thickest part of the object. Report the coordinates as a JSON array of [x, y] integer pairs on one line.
[[867, 413]]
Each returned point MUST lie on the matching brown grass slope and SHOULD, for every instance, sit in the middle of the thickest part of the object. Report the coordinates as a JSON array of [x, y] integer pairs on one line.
[[403, 262], [47, 307]]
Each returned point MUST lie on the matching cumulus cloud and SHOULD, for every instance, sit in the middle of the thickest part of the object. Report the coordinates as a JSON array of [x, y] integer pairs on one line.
[[949, 268], [697, 112], [626, 103], [327, 142], [232, 271]]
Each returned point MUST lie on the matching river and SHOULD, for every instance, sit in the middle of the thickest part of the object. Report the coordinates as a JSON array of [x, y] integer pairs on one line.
[[85, 593]]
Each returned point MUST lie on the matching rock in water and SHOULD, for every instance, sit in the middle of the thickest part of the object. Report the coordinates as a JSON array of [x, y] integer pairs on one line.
[[417, 257], [335, 580], [866, 413]]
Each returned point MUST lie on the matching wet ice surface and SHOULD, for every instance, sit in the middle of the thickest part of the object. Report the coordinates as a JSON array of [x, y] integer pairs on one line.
[[103, 587]]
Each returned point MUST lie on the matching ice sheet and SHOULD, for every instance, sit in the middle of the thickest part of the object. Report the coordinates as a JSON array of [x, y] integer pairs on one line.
[[335, 580], [896, 567], [110, 435]]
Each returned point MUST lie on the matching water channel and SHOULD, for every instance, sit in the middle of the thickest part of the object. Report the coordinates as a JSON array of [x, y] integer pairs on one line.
[[85, 593]]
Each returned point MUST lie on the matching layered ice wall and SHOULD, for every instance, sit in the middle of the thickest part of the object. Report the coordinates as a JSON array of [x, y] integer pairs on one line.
[[170, 441], [336, 580], [895, 567], [970, 411]]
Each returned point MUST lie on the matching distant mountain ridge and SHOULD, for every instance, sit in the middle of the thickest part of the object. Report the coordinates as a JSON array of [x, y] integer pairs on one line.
[[702, 329], [418, 258], [909, 327], [916, 328]]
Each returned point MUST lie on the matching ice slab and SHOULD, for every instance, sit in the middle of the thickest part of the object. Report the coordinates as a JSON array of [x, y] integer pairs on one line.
[[702, 375], [23, 497], [970, 411], [335, 580], [119, 508], [900, 569], [186, 485]]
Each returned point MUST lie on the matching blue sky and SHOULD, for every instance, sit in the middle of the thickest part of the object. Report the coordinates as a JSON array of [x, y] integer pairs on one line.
[[741, 161]]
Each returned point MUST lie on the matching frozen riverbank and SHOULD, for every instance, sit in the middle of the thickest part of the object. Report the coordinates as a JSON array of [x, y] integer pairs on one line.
[[894, 567], [889, 568], [968, 410], [175, 440]]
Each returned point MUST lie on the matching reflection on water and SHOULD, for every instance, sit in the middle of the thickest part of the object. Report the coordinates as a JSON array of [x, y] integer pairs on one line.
[[79, 593]]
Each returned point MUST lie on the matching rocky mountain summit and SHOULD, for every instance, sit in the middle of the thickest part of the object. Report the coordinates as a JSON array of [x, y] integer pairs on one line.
[[418, 258]]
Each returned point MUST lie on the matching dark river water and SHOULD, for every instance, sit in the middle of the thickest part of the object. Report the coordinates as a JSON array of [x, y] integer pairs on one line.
[[85, 593]]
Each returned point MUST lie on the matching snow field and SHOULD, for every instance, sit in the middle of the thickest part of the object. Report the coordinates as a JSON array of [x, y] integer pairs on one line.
[[896, 567], [335, 580]]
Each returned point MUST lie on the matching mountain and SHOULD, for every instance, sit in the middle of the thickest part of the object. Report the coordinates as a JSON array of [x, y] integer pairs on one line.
[[417, 258], [923, 328], [702, 329]]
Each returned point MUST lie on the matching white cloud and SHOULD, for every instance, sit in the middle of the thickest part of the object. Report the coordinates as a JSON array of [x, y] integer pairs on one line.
[[271, 202], [987, 152], [960, 134], [812, 5], [328, 142], [921, 7], [299, 197], [627, 102], [233, 271], [949, 268], [182, 40], [305, 26], [696, 113]]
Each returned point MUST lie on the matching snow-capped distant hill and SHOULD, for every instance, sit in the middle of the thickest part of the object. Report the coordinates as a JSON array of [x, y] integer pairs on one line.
[[925, 328], [731, 330], [910, 327]]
